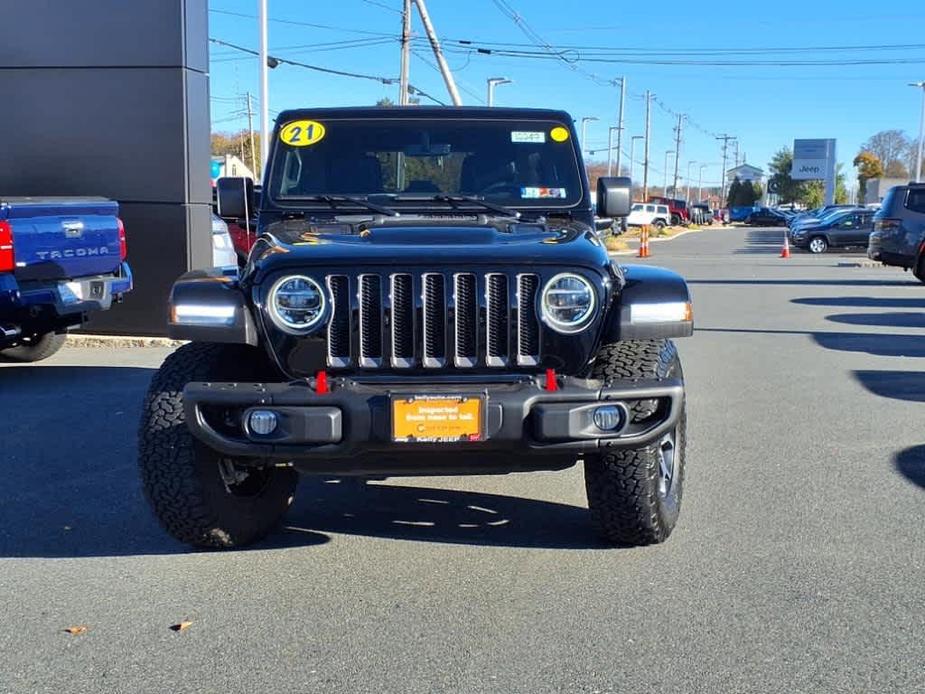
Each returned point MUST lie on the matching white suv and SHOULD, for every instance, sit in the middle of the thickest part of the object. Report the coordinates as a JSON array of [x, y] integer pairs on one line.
[[643, 214]]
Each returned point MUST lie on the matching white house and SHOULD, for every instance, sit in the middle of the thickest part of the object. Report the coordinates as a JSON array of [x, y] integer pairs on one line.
[[745, 172]]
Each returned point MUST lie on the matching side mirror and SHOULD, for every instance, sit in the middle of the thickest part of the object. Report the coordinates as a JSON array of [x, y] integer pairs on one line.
[[235, 198], [614, 196]]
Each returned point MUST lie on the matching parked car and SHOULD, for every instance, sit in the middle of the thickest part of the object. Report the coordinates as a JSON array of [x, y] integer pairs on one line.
[[766, 217], [702, 214], [679, 214], [480, 329], [899, 230], [61, 259], [819, 213], [843, 229], [648, 214], [739, 214], [223, 250]]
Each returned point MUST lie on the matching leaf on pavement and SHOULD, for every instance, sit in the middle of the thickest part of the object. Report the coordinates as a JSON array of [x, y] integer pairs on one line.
[[182, 626], [76, 631]]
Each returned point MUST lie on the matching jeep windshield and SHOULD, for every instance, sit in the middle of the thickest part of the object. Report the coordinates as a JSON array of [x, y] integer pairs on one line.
[[415, 162]]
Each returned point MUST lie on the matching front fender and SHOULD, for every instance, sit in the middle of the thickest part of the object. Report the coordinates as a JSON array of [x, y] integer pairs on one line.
[[653, 304], [209, 306]]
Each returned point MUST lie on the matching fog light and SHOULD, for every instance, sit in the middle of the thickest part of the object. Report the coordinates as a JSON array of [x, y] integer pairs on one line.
[[262, 422], [608, 417]]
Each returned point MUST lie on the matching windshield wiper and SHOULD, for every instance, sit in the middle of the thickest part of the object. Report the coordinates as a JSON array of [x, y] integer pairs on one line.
[[332, 200], [454, 200]]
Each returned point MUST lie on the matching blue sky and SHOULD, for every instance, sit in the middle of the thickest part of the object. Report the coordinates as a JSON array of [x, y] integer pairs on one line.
[[765, 106]]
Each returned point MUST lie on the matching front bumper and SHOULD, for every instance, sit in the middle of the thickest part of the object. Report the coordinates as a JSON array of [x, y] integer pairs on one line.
[[349, 430]]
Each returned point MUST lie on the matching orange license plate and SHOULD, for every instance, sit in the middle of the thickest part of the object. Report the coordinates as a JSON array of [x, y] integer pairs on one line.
[[436, 419]]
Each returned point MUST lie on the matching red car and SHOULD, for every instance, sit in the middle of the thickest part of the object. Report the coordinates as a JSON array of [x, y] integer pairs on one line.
[[678, 209]]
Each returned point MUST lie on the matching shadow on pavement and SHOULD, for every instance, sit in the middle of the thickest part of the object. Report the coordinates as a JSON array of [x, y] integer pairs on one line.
[[899, 385], [353, 507], [762, 241], [70, 480], [910, 463], [861, 301], [878, 344], [891, 320]]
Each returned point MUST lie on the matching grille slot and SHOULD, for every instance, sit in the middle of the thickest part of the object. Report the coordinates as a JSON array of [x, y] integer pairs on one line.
[[497, 342], [467, 307], [402, 321], [434, 290], [528, 327], [433, 320], [339, 327], [370, 320]]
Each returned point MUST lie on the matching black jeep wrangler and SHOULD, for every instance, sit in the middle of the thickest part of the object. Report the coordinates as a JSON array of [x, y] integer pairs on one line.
[[428, 295]]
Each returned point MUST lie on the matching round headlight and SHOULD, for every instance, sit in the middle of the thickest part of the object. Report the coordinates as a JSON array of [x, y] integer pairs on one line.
[[296, 304], [568, 303]]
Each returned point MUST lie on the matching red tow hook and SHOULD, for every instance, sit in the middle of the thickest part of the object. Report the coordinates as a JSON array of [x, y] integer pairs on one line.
[[551, 384], [321, 383]]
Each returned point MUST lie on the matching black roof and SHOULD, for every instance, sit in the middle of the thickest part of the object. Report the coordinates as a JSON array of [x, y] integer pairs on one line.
[[501, 113]]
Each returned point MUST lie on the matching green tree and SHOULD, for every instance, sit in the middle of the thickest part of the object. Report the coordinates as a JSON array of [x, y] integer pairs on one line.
[[869, 166], [781, 163], [732, 195]]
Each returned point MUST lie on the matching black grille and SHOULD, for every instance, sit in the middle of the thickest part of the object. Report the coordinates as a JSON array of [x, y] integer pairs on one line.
[[433, 320]]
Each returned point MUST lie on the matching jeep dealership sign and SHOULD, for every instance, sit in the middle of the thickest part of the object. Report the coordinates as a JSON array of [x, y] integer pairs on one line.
[[814, 160]]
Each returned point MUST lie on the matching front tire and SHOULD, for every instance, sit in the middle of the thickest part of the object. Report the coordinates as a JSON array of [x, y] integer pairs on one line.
[[634, 495], [199, 496], [35, 348], [919, 270], [658, 224], [818, 244]]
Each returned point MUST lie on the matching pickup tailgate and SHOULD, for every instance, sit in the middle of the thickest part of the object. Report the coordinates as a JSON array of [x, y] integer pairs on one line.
[[63, 238]]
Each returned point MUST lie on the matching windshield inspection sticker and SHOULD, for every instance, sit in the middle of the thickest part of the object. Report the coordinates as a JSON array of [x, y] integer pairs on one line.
[[302, 133], [538, 193], [528, 137]]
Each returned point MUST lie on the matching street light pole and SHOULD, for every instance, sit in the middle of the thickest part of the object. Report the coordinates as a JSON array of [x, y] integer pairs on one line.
[[918, 161], [492, 83], [264, 84], [645, 157], [620, 125], [584, 129], [700, 184]]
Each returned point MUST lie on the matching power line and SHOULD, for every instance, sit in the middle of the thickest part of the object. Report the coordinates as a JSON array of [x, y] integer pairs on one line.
[[475, 95], [317, 68], [294, 22]]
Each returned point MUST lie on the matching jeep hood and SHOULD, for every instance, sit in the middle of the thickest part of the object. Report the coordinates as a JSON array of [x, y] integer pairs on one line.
[[423, 245]]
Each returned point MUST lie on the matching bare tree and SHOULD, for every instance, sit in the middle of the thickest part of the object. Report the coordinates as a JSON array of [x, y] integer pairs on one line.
[[890, 146]]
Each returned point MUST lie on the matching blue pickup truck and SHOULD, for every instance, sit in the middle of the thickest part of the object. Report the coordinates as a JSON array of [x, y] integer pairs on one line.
[[60, 260]]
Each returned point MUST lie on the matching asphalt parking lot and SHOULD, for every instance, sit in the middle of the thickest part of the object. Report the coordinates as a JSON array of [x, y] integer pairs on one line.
[[797, 564]]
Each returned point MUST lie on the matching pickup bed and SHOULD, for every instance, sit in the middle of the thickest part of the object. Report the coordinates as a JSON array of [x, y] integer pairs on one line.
[[60, 260]]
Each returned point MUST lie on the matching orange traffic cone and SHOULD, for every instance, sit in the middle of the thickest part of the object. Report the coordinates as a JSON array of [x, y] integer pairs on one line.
[[785, 251], [644, 242]]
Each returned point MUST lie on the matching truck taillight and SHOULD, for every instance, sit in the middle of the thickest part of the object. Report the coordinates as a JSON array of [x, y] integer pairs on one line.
[[7, 260], [123, 246]]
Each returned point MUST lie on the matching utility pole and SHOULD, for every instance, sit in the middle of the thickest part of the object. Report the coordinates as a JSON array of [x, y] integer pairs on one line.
[[668, 153], [610, 132], [722, 182], [918, 161], [620, 125], [677, 153], [264, 83], [736, 143], [492, 83], [645, 159], [250, 130], [405, 53], [438, 53], [633, 154], [688, 198]]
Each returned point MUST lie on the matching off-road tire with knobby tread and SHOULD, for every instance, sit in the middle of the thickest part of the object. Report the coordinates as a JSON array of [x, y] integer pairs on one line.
[[35, 348], [623, 484], [919, 269], [180, 475]]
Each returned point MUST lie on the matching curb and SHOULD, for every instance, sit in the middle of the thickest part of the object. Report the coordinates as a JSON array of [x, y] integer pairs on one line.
[[119, 341]]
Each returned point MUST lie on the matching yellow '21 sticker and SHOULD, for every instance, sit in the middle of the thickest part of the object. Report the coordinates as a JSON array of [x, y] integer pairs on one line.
[[558, 134], [302, 133]]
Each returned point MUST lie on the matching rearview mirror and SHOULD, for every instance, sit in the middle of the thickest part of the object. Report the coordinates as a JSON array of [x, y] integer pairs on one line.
[[235, 198], [614, 196]]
